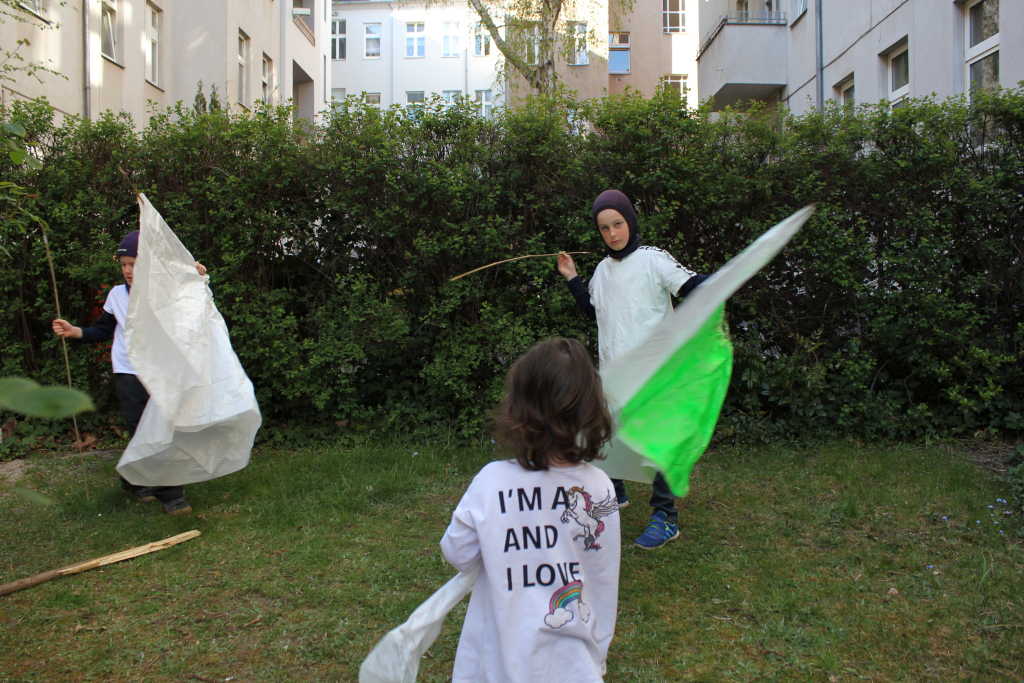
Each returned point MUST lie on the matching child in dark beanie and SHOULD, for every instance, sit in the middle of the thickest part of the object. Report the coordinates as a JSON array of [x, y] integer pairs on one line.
[[132, 396], [630, 293]]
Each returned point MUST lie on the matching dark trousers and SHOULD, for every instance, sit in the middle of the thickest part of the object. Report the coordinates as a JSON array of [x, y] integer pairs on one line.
[[661, 497], [133, 398]]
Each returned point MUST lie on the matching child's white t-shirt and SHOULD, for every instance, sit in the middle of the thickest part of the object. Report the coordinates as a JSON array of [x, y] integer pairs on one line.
[[544, 606], [117, 306], [632, 296]]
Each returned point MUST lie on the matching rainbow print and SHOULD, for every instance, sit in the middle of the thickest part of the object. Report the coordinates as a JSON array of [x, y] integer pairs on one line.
[[564, 596]]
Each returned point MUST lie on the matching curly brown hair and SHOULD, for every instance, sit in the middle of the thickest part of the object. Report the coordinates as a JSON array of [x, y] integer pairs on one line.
[[554, 408]]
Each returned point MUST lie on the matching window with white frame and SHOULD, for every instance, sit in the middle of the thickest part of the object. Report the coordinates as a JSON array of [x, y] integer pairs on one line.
[[415, 41], [450, 39], [676, 82], [267, 71], [981, 51], [38, 7], [579, 56], [483, 101], [899, 76], [337, 98], [109, 30], [848, 93], [371, 98], [242, 94], [371, 35], [482, 40], [673, 16], [338, 38], [797, 9], [449, 96], [154, 20], [533, 45], [618, 53], [415, 97]]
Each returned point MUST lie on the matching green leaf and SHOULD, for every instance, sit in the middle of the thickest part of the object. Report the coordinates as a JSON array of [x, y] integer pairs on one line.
[[15, 129], [25, 396], [17, 156], [33, 163], [31, 496]]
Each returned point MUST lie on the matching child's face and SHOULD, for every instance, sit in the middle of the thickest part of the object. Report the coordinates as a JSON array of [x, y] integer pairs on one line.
[[128, 268], [614, 229]]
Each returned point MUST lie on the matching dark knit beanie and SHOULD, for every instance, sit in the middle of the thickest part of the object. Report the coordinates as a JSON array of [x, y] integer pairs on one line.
[[129, 245], [613, 199]]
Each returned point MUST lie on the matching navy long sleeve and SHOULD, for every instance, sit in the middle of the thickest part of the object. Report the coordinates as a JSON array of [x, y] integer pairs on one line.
[[101, 331]]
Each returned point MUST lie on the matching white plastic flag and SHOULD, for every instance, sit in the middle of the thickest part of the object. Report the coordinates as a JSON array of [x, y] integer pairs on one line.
[[202, 415]]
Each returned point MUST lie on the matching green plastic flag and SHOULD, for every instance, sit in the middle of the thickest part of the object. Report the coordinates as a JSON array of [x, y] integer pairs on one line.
[[667, 393]]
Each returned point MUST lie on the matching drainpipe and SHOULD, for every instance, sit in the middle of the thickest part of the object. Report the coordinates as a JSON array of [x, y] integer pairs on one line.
[[285, 93], [820, 77], [87, 71]]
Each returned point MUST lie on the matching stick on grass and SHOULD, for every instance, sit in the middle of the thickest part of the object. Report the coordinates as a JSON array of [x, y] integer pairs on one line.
[[28, 582]]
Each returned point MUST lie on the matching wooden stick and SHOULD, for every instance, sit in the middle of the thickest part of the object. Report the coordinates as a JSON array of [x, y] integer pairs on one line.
[[67, 364], [498, 263], [28, 582]]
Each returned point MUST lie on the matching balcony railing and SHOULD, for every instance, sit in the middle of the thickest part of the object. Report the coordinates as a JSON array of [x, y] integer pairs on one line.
[[768, 18]]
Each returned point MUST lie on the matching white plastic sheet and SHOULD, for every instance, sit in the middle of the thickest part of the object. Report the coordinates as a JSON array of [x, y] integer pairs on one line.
[[396, 658], [202, 415], [627, 374]]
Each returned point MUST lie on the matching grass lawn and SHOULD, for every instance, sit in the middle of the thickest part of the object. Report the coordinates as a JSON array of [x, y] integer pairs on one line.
[[841, 563]]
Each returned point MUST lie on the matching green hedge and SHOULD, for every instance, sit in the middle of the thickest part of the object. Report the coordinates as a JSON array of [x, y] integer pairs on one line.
[[895, 313]]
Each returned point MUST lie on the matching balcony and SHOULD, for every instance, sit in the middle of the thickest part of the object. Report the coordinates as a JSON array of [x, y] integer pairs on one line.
[[744, 57]]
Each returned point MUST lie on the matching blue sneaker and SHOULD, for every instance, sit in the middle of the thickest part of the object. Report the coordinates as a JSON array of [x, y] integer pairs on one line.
[[658, 532]]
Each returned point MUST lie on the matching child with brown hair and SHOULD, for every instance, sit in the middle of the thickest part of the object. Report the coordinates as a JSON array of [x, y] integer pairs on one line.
[[545, 527]]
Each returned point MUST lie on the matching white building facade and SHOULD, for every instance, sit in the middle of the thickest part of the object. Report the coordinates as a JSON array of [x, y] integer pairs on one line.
[[783, 51], [402, 53], [120, 55]]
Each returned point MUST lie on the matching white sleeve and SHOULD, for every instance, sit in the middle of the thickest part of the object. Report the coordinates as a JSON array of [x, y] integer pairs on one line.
[[671, 274], [108, 306], [461, 542]]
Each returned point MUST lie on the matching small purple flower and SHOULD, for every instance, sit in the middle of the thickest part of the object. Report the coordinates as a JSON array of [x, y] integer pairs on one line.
[[943, 518], [930, 566]]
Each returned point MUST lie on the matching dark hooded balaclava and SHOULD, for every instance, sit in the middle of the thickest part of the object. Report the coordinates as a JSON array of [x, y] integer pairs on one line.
[[613, 199]]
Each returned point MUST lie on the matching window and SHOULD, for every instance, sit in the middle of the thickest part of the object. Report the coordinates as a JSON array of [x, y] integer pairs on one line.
[[371, 97], [338, 98], [371, 33], [673, 16], [414, 97], [242, 96], [36, 7], [449, 95], [676, 82], [415, 41], [618, 53], [982, 45], [450, 39], [109, 30], [483, 101], [483, 41], [154, 18], [799, 8], [338, 39], [267, 90], [579, 55], [899, 76], [533, 45], [847, 93]]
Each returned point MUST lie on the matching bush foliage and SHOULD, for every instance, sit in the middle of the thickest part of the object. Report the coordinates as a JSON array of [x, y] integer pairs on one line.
[[895, 313]]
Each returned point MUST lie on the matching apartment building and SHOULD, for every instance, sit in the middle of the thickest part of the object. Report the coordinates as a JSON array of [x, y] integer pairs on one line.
[[655, 45], [403, 53], [400, 53], [123, 55], [784, 51]]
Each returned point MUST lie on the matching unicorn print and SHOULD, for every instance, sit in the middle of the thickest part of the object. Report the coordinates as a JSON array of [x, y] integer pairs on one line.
[[588, 515]]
